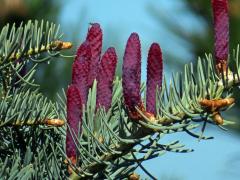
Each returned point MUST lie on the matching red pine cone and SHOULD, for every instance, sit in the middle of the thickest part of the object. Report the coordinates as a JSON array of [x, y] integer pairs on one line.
[[74, 117], [132, 73], [221, 29], [105, 78], [80, 70], [154, 76], [94, 37]]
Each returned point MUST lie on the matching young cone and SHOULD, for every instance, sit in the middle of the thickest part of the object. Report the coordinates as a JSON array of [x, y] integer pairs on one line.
[[105, 78], [74, 117], [94, 37], [132, 73], [80, 70], [221, 32], [154, 76]]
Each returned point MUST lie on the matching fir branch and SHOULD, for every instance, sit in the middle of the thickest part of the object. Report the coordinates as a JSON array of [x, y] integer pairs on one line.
[[110, 143], [107, 139], [117, 146], [40, 159], [30, 40], [54, 46], [28, 44], [27, 108], [47, 122], [178, 107]]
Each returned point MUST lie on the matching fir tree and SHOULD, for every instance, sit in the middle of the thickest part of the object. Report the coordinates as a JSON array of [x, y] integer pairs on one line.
[[103, 128]]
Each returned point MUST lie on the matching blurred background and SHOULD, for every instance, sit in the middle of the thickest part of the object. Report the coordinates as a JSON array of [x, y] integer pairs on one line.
[[184, 30]]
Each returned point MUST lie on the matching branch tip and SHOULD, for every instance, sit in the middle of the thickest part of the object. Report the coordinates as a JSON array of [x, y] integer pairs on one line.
[[61, 45], [54, 122], [134, 176]]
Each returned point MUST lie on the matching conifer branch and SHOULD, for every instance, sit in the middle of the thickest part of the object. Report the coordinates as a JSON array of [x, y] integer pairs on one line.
[[28, 108], [30, 40], [34, 42], [54, 46], [178, 110], [47, 122], [110, 130]]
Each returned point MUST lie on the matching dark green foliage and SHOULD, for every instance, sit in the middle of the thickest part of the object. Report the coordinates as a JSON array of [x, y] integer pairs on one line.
[[29, 148]]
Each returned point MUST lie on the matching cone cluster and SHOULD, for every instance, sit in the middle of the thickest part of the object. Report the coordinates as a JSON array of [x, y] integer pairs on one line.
[[131, 80], [88, 66]]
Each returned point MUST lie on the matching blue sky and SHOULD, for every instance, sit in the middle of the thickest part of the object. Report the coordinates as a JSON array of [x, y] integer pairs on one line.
[[119, 19], [216, 159]]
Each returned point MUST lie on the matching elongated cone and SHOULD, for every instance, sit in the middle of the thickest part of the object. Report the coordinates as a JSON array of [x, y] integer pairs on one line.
[[94, 37], [154, 76], [80, 70], [105, 78], [74, 117], [131, 70], [221, 30]]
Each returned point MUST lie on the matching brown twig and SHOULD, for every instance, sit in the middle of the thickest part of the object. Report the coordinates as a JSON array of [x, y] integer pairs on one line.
[[48, 122], [54, 46]]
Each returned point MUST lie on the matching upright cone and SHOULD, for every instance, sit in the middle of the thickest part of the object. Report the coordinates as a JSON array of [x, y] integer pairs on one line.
[[74, 119], [154, 76], [80, 70], [221, 33], [131, 70], [106, 73], [94, 38]]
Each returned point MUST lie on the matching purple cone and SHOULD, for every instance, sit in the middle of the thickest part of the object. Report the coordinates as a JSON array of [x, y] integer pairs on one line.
[[154, 76], [132, 73], [105, 78], [74, 117]]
